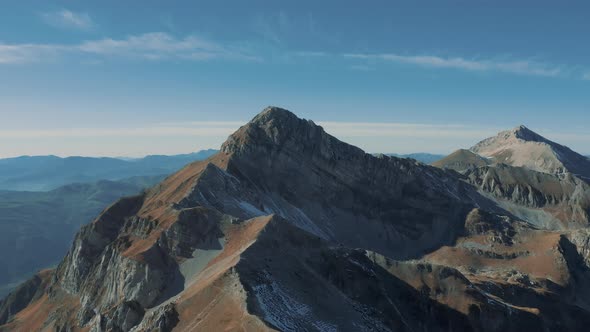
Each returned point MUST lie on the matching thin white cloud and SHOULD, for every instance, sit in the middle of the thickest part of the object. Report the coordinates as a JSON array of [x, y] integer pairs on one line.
[[524, 67], [191, 129], [26, 53], [149, 46], [372, 137], [311, 54], [159, 45], [405, 130], [67, 19], [224, 128]]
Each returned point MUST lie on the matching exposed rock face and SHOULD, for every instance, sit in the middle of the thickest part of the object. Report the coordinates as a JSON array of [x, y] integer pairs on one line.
[[545, 200], [529, 176], [523, 147], [379, 203], [287, 228]]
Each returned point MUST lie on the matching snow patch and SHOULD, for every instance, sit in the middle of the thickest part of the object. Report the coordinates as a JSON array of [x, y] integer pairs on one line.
[[292, 213]]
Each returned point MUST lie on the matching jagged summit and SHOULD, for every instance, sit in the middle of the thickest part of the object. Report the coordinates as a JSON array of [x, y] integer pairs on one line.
[[525, 134], [277, 128], [275, 113]]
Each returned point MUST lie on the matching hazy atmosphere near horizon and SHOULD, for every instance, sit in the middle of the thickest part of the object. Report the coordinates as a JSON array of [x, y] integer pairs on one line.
[[134, 78], [274, 165]]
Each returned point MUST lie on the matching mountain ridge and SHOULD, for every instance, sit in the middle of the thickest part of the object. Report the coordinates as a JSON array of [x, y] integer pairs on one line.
[[43, 173], [288, 228]]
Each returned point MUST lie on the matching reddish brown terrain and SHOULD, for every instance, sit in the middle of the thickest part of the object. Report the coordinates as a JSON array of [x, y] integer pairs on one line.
[[290, 229]]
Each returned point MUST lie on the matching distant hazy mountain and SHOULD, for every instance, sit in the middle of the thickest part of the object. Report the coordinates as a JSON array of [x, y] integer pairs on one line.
[[427, 158], [44, 173], [531, 177], [36, 228], [461, 160], [522, 147]]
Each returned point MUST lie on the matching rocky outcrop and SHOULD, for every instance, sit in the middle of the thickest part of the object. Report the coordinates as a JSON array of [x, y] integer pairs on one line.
[[92, 240], [564, 200], [395, 206], [522, 147]]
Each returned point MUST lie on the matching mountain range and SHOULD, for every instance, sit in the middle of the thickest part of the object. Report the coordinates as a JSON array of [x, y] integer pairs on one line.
[[427, 158], [43, 173], [36, 228], [287, 228]]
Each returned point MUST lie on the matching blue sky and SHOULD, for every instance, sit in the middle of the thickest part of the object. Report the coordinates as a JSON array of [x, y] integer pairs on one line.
[[143, 77]]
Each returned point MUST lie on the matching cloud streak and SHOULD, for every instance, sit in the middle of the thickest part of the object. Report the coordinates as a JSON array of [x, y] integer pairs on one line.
[[161, 46], [225, 128], [523, 67], [191, 129], [26, 53], [371, 136], [149, 46], [67, 19]]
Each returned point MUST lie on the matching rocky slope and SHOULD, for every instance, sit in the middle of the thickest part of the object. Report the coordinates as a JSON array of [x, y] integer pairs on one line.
[[545, 200], [289, 229]]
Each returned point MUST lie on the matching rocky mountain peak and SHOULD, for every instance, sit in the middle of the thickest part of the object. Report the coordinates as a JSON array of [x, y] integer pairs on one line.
[[278, 129], [514, 135], [523, 147], [275, 116], [517, 136], [525, 134]]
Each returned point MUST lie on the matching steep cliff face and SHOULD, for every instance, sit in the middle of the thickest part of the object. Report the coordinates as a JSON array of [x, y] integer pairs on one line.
[[390, 205], [545, 200], [287, 228]]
